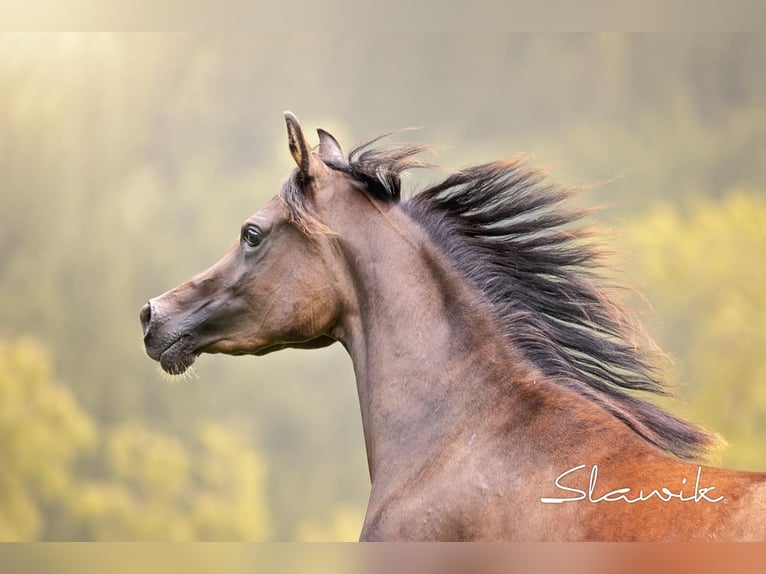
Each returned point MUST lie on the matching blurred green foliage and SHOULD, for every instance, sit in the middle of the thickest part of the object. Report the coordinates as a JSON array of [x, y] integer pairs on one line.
[[60, 477], [701, 266], [42, 429], [128, 162]]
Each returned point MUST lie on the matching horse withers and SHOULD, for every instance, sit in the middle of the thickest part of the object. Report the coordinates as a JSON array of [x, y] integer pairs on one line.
[[496, 375]]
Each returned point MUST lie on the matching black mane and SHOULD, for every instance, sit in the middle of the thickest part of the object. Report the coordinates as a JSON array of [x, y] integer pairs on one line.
[[507, 232]]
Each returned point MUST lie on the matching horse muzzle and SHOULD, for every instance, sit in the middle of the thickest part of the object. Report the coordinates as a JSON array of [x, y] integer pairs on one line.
[[174, 348]]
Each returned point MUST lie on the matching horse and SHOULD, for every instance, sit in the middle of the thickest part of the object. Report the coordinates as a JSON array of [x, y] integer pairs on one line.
[[501, 385]]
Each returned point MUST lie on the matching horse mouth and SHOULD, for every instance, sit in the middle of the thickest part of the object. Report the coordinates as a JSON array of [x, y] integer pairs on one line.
[[179, 356]]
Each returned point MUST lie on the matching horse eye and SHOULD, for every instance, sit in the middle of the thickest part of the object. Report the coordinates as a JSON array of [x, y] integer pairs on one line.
[[252, 235]]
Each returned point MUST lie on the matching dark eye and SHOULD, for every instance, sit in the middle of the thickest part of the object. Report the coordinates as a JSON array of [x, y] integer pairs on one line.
[[252, 235]]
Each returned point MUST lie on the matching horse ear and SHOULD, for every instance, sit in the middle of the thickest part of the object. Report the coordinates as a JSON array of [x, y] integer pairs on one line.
[[299, 149], [329, 148]]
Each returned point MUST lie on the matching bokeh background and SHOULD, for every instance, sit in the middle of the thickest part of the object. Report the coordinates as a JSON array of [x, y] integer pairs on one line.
[[129, 161]]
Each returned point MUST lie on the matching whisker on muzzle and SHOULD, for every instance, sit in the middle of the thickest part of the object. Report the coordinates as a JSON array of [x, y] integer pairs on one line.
[[189, 374]]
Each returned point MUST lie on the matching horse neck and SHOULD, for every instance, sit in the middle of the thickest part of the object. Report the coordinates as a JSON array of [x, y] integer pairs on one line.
[[428, 357]]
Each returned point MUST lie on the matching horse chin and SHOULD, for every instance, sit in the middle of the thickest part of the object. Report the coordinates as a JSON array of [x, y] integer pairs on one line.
[[178, 357]]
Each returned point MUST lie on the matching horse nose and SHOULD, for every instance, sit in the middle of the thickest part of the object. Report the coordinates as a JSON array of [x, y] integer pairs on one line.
[[146, 317]]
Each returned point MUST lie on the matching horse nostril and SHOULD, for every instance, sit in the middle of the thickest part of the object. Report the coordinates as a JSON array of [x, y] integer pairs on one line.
[[146, 317]]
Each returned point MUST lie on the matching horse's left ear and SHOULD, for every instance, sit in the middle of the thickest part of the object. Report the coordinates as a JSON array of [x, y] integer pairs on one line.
[[299, 149]]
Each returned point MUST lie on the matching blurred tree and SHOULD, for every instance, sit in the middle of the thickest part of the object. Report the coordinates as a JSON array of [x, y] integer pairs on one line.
[[157, 489], [702, 269], [229, 491], [344, 524], [149, 487], [42, 430]]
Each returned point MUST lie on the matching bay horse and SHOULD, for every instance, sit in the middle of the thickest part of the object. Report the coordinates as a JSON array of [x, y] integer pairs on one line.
[[498, 379]]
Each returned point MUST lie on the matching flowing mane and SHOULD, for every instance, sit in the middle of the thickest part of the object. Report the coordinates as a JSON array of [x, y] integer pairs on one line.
[[508, 232]]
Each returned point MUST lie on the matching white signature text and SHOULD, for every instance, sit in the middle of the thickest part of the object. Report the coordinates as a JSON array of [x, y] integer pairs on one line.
[[626, 494]]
